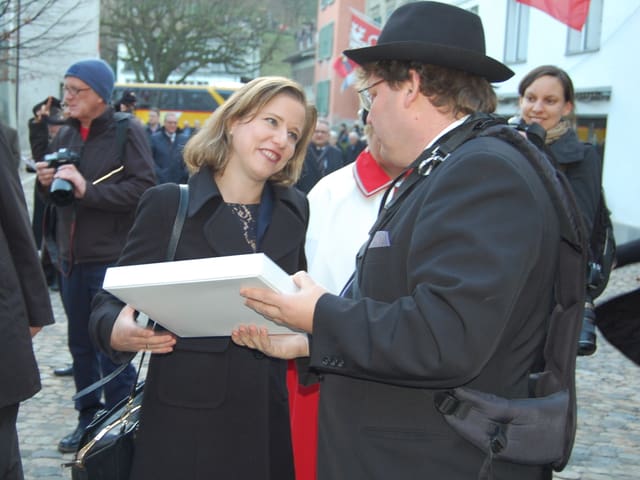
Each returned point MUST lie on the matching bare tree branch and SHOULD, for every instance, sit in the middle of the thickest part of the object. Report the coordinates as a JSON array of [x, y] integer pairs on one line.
[[32, 28], [165, 37]]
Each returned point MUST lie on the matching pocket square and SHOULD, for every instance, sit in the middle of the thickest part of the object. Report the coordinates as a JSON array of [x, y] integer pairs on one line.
[[380, 239]]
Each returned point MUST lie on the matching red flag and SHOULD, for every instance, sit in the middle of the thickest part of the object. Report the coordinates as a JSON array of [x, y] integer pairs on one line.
[[342, 65], [570, 12], [363, 33]]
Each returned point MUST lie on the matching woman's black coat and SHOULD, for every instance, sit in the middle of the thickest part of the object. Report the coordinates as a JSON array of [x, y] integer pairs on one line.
[[211, 409], [582, 165]]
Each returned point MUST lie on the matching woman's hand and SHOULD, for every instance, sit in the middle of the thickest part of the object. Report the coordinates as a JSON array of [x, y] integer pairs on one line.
[[286, 346], [128, 336]]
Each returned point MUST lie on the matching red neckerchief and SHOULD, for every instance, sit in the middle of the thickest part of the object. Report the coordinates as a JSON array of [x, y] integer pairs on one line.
[[370, 177], [84, 132]]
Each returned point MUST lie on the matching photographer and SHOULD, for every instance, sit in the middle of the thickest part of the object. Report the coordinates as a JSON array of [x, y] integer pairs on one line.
[[93, 215]]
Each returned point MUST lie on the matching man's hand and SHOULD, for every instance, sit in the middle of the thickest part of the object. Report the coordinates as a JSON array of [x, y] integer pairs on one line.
[[294, 310], [128, 336], [44, 173], [44, 110], [70, 173], [34, 331]]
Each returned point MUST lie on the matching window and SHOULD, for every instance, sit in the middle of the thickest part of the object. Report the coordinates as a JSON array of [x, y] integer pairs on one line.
[[587, 40], [195, 100], [374, 13], [322, 98], [517, 33], [325, 3], [325, 42]]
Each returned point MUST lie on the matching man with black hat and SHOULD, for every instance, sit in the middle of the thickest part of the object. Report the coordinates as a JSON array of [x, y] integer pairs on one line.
[[453, 287], [94, 213], [127, 102]]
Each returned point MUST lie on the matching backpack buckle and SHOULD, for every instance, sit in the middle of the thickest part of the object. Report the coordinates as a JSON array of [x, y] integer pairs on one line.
[[429, 164], [446, 403]]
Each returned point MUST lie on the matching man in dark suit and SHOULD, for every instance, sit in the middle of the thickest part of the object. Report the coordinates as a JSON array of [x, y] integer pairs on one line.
[[453, 287], [25, 308], [166, 147], [11, 136], [322, 158]]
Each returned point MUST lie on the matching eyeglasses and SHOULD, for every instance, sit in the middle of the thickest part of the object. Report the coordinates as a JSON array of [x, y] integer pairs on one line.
[[365, 96], [74, 91]]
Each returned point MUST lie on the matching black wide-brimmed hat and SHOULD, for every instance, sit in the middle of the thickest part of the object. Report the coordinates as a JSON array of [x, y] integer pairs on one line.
[[436, 34]]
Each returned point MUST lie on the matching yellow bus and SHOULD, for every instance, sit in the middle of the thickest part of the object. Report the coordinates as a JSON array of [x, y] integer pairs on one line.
[[189, 102]]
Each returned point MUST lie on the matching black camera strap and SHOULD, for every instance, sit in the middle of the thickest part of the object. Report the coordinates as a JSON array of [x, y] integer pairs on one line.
[[183, 204], [417, 171]]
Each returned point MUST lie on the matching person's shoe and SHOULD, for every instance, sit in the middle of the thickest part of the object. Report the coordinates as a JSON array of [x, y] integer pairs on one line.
[[63, 371], [69, 443]]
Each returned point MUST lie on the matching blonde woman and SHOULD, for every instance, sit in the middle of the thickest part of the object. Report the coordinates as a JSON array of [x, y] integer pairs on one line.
[[213, 409]]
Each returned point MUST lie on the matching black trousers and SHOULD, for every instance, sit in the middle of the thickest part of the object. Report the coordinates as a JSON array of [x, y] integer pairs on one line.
[[10, 463]]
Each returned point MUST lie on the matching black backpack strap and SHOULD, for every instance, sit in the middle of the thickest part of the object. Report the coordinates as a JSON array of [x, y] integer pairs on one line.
[[181, 214], [499, 426], [122, 129]]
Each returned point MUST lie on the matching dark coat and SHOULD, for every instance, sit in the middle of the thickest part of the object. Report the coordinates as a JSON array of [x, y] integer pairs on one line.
[[319, 162], [211, 409], [583, 167], [11, 136], [167, 157], [95, 227], [352, 151], [24, 296], [456, 294]]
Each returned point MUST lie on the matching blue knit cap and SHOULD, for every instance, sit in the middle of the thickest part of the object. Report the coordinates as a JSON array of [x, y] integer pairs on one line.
[[97, 74]]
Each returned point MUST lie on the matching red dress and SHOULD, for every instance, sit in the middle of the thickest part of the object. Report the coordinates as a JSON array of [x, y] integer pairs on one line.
[[303, 410]]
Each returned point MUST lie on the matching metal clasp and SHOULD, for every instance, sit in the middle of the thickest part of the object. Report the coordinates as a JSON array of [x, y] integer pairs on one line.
[[428, 164]]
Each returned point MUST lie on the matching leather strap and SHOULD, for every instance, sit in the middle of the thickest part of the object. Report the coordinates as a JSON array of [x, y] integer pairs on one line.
[[171, 252]]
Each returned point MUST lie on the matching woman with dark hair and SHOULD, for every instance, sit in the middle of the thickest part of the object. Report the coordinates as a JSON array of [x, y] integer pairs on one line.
[[547, 98], [212, 409]]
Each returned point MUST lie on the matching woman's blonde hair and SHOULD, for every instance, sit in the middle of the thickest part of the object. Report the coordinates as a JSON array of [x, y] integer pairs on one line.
[[211, 146]]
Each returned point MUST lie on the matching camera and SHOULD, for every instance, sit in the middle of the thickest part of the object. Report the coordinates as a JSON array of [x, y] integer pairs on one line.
[[61, 191], [535, 132]]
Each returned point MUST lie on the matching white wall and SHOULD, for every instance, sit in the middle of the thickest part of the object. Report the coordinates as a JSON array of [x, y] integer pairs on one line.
[[615, 66]]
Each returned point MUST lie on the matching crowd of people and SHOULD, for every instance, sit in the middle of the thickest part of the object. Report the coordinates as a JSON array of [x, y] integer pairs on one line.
[[411, 280]]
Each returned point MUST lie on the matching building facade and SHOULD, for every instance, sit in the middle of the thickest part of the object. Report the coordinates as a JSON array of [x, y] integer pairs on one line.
[[602, 65], [66, 32]]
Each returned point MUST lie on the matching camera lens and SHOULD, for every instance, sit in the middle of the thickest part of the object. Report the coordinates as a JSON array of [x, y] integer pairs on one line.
[[587, 342], [61, 192]]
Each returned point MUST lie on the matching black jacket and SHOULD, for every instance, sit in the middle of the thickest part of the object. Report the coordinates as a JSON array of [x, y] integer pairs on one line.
[[24, 296], [167, 157], [94, 228], [454, 291], [223, 407], [319, 162], [582, 165]]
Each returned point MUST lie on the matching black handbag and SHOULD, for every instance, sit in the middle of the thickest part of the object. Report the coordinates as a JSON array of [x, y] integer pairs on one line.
[[106, 447], [105, 451]]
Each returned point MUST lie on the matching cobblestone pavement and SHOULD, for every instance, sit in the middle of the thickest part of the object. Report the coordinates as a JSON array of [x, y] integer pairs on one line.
[[607, 446]]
